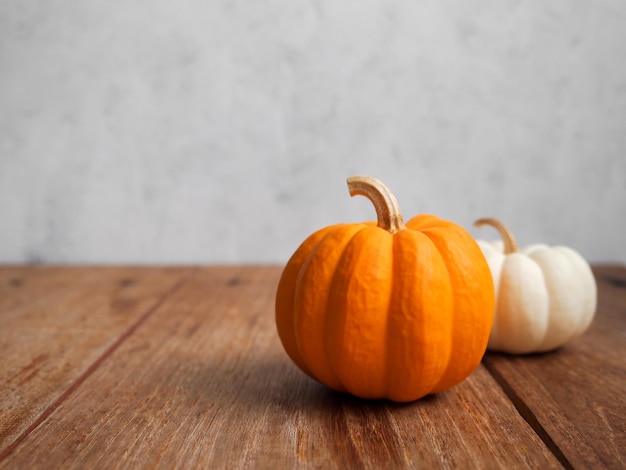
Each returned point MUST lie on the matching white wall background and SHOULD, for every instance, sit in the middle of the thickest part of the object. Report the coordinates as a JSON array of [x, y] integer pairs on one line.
[[223, 130]]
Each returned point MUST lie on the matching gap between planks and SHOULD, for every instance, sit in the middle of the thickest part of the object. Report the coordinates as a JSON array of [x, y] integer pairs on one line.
[[97, 363], [527, 415], [609, 274]]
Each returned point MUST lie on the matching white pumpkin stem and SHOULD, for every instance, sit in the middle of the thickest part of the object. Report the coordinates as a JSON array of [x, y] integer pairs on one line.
[[385, 203], [510, 245]]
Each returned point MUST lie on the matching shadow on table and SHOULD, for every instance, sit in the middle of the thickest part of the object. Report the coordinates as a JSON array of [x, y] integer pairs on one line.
[[272, 381]]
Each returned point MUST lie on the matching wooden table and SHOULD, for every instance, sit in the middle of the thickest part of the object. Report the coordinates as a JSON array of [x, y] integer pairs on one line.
[[135, 367]]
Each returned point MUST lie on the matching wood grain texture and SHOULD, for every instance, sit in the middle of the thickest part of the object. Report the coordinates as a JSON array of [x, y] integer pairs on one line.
[[204, 382], [54, 325], [181, 367], [576, 396]]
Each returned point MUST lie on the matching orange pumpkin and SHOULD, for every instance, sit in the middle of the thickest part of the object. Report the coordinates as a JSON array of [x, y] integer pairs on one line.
[[386, 310]]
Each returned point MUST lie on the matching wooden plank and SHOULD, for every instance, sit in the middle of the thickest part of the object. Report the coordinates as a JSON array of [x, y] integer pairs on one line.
[[575, 397], [205, 383], [55, 323]]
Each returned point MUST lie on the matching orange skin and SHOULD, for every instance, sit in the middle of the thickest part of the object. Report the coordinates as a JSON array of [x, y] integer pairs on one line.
[[387, 315]]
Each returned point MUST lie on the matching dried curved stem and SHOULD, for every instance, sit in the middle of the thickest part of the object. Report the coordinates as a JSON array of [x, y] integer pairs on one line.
[[510, 245], [385, 203]]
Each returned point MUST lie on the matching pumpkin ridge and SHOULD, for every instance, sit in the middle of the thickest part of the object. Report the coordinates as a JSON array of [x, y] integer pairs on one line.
[[285, 296], [522, 278], [586, 281], [473, 298], [557, 331], [422, 222], [357, 313], [549, 301], [329, 309], [451, 317], [309, 324], [419, 362], [388, 392]]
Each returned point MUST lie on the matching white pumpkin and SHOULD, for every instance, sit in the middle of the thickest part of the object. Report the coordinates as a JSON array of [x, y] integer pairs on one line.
[[545, 296]]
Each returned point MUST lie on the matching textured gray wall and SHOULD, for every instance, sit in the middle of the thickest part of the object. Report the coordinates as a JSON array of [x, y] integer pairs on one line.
[[223, 130]]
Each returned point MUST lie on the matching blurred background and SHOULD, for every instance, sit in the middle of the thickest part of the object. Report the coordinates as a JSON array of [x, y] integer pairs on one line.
[[222, 131]]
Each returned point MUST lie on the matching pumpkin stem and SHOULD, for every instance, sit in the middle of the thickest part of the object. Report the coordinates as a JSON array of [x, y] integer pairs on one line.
[[510, 245], [385, 203]]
